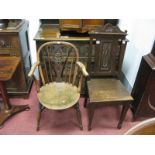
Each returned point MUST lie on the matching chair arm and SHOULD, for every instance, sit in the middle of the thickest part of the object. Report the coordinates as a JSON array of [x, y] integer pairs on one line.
[[82, 67], [31, 73]]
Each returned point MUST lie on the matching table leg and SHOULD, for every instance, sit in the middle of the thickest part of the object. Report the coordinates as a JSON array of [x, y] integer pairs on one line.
[[8, 110]]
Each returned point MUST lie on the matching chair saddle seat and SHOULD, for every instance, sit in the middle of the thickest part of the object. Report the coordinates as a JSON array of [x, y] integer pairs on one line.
[[58, 95]]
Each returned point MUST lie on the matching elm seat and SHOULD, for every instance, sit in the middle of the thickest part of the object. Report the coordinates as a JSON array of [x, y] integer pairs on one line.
[[58, 95]]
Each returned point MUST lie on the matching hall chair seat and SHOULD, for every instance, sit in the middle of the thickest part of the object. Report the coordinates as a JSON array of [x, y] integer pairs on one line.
[[107, 90]]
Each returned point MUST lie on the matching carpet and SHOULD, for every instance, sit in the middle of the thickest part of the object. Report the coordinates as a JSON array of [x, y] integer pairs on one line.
[[64, 122]]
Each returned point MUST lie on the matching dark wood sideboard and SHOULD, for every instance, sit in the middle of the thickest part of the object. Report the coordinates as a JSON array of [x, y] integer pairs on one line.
[[14, 41], [144, 88]]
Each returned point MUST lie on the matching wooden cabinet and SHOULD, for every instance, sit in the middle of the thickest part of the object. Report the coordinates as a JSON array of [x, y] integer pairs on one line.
[[14, 41], [50, 30], [144, 88]]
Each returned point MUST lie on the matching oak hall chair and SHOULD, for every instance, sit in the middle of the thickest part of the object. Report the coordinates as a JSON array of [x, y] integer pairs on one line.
[[61, 75], [105, 61]]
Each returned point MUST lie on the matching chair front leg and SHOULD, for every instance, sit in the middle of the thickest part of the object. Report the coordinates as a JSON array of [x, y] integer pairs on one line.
[[78, 114], [41, 108]]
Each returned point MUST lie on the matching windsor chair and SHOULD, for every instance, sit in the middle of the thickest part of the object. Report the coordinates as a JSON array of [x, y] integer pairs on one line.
[[61, 75]]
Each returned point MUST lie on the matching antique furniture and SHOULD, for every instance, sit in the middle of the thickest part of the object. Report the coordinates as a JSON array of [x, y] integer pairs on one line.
[[61, 76], [144, 88], [8, 66], [105, 88], [146, 127], [14, 42], [50, 30]]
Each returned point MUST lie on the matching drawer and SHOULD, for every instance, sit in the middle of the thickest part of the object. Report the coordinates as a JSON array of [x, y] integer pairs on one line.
[[9, 44]]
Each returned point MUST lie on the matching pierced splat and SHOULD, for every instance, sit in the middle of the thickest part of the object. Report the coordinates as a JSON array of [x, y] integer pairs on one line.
[[58, 63]]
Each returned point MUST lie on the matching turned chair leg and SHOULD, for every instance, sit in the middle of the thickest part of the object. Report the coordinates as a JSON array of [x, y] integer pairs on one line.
[[78, 114], [123, 114], [41, 108]]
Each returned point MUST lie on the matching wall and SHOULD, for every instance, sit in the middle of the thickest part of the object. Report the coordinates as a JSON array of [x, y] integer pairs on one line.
[[33, 28], [141, 35]]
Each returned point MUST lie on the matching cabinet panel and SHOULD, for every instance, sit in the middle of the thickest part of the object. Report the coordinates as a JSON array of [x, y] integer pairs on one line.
[[9, 44], [144, 89], [147, 105]]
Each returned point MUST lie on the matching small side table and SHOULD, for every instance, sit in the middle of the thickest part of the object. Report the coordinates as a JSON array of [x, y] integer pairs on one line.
[[8, 66]]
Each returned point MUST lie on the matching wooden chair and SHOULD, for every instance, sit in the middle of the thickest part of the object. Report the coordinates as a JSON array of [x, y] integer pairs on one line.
[[105, 87], [61, 75], [146, 127]]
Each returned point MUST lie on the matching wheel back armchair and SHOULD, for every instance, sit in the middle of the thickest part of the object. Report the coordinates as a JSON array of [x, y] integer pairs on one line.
[[61, 75]]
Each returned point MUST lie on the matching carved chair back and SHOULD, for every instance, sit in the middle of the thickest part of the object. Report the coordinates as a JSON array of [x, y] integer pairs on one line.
[[109, 44], [58, 62]]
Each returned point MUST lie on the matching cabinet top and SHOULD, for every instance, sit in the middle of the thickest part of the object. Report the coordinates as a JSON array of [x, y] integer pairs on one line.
[[14, 27], [52, 32]]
